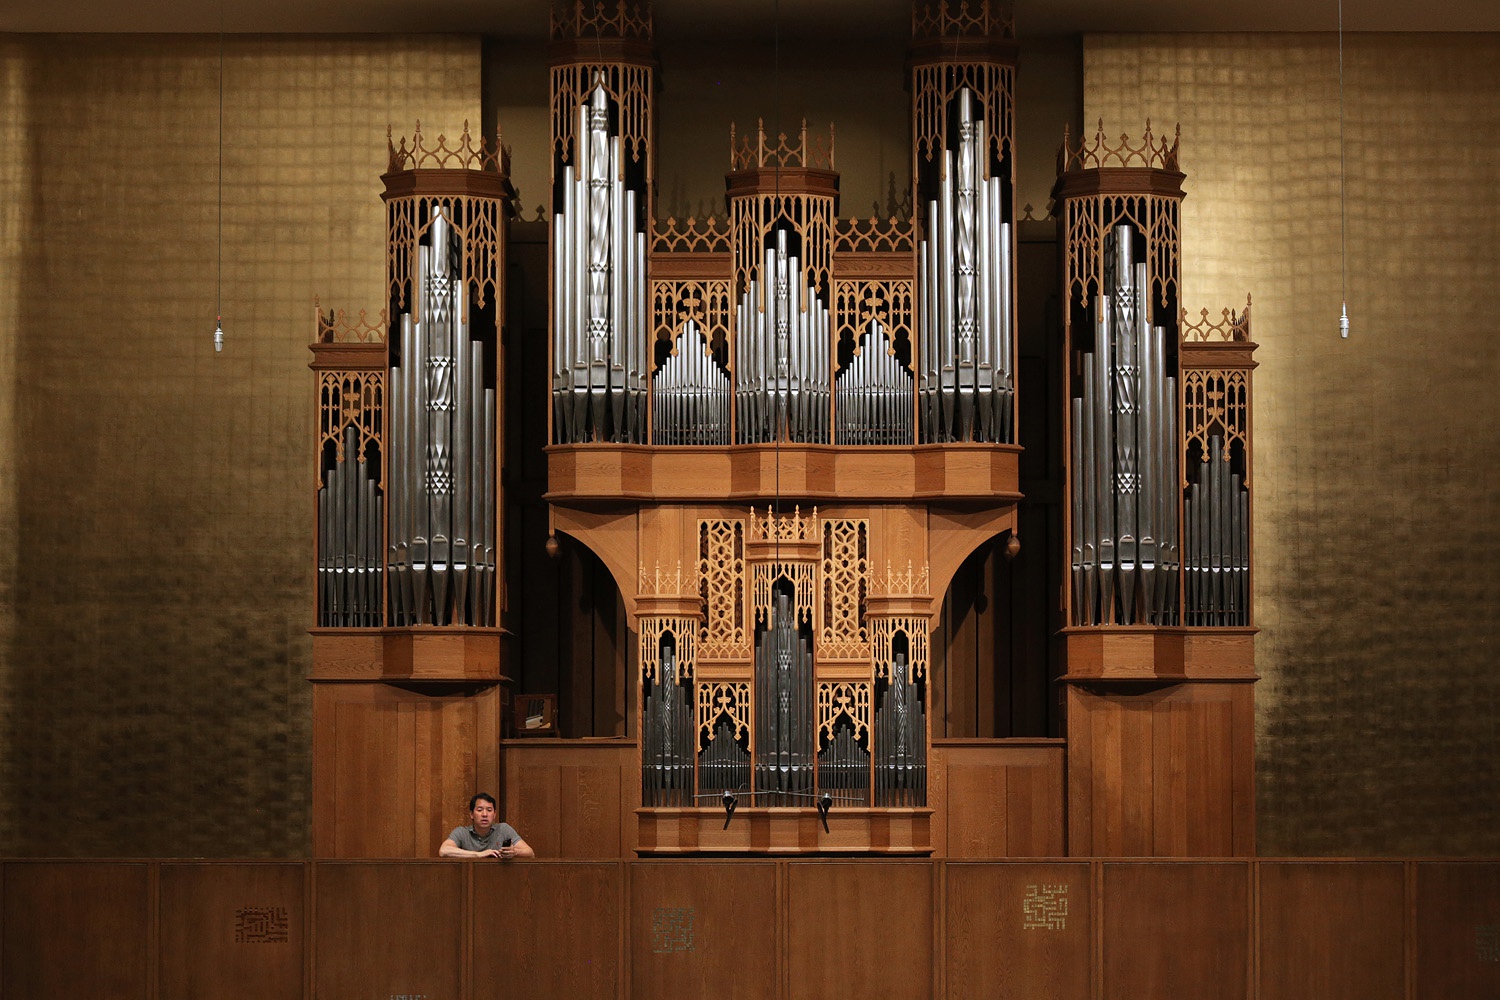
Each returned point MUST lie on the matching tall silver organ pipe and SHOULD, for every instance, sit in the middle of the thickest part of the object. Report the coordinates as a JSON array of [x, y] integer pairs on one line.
[[874, 394], [690, 394], [600, 362], [1123, 449], [667, 743], [783, 710], [781, 348], [966, 387], [900, 738], [349, 538], [1216, 558], [442, 426]]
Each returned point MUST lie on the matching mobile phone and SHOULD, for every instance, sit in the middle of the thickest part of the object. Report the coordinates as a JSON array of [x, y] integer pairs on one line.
[[506, 842]]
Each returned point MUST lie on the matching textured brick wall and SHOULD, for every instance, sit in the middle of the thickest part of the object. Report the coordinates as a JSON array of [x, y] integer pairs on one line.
[[159, 497]]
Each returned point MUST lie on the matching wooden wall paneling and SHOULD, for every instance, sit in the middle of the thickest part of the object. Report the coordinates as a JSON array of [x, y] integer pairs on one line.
[[938, 758], [860, 929], [230, 931], [1242, 769], [1017, 931], [1035, 793], [548, 930], [1332, 930], [533, 806], [1162, 772], [977, 810], [1210, 789], [1002, 798], [395, 767], [1457, 946], [76, 929], [1080, 773], [1179, 930], [700, 929], [390, 928], [573, 799]]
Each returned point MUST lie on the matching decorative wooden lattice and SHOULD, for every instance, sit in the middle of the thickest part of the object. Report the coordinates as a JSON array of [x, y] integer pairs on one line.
[[964, 18], [754, 217], [600, 19], [896, 583], [710, 235], [1215, 403], [935, 85], [798, 574], [887, 302], [629, 89], [883, 631], [706, 303], [721, 586], [873, 235], [1088, 219], [845, 588], [478, 222], [729, 701], [838, 700], [752, 152], [801, 574], [653, 628], [337, 327], [1230, 328], [1092, 154], [351, 399]]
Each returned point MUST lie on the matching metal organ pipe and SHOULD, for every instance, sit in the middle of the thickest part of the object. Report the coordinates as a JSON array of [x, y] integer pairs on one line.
[[781, 354], [599, 343], [349, 530], [1123, 451], [691, 394], [874, 394], [441, 548], [1216, 516], [965, 385]]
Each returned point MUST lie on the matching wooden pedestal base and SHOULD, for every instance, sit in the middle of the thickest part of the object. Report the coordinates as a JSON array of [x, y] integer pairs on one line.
[[759, 830]]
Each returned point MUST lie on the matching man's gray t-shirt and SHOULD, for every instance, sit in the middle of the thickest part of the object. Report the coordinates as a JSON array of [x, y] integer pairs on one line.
[[466, 838]]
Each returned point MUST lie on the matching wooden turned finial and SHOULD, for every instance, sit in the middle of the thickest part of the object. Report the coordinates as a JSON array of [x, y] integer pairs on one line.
[[1012, 546]]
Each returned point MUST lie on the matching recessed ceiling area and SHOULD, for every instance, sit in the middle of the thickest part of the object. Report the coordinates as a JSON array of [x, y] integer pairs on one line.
[[527, 19]]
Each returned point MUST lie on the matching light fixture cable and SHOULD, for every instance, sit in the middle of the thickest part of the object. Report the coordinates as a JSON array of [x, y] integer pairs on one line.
[[1343, 196], [219, 256]]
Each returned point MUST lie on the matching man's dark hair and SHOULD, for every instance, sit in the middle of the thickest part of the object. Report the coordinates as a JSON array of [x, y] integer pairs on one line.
[[483, 795]]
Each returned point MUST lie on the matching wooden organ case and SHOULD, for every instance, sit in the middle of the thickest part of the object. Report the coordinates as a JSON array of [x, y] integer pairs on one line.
[[408, 655], [782, 433], [1159, 649]]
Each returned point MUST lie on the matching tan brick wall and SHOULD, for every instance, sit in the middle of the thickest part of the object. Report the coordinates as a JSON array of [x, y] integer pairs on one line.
[[155, 647]]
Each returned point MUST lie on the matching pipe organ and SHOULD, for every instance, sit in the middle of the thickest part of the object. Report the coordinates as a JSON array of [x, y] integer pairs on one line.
[[1159, 512], [964, 269], [784, 434], [599, 285], [1123, 453], [818, 389], [409, 555]]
